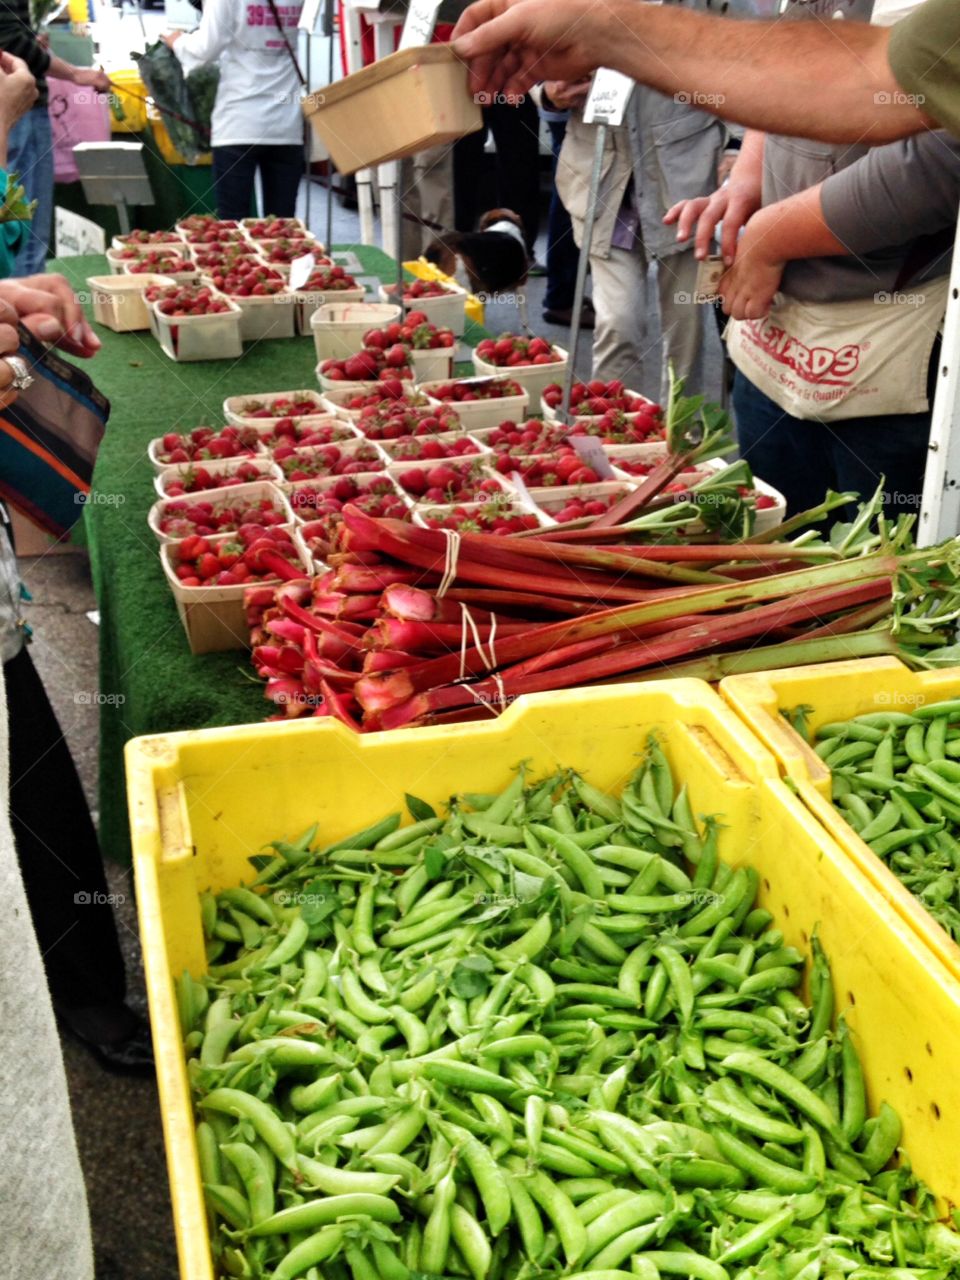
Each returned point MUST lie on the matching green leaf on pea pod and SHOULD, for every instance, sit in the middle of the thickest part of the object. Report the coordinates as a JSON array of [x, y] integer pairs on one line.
[[469, 978], [419, 809], [489, 856], [260, 860], [318, 901], [527, 888], [434, 861]]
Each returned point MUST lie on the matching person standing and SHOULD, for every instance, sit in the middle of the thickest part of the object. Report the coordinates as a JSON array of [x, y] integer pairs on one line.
[[562, 253], [257, 122], [664, 148], [30, 142]]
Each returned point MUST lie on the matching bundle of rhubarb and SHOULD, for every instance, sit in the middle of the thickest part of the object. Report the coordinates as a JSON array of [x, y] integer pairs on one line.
[[418, 626]]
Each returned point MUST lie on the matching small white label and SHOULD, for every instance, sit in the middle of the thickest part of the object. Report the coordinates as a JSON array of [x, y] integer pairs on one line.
[[709, 273], [590, 450], [607, 101], [419, 24], [310, 16], [300, 269], [76, 235], [518, 482]]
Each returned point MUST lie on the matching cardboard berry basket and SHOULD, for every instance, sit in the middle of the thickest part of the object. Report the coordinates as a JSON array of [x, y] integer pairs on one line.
[[267, 468], [389, 447], [553, 415], [178, 277], [353, 450], [214, 618], [335, 399], [328, 385], [425, 512], [446, 311], [475, 467], [234, 406], [121, 266], [401, 104], [338, 327], [172, 238], [298, 491], [310, 300], [118, 301], [534, 378], [265, 247], [479, 413], [269, 316], [301, 231], [211, 337], [432, 364], [550, 501], [251, 492], [155, 448]]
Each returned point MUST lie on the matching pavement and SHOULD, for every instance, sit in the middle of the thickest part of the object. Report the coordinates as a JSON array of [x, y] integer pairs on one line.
[[117, 1119]]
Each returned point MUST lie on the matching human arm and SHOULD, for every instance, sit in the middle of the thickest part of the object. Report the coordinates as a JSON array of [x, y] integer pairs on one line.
[[564, 95], [50, 309], [732, 204], [20, 40], [824, 80], [891, 196], [92, 77], [18, 93], [211, 38]]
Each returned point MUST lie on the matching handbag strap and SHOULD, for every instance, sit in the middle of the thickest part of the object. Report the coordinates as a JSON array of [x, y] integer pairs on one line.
[[293, 57]]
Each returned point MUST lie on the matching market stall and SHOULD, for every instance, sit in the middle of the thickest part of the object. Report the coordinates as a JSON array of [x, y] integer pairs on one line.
[[154, 682]]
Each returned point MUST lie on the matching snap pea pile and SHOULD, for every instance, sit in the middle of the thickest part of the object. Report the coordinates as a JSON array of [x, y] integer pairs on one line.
[[548, 1034], [896, 780]]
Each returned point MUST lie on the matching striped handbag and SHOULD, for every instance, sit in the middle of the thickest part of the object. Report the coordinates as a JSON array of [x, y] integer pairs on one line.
[[49, 439]]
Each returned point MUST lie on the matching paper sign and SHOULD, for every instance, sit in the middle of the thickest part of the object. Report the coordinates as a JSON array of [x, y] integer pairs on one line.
[[607, 101], [590, 450], [419, 23], [523, 493], [709, 273], [300, 270], [76, 235]]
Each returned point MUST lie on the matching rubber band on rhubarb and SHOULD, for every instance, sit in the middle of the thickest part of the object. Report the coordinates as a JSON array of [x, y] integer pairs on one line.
[[450, 562], [467, 621]]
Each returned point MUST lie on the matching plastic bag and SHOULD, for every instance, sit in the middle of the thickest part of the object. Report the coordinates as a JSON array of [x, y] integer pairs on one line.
[[185, 102]]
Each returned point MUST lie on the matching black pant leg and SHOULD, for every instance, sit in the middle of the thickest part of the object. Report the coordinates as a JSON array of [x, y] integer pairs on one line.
[[58, 851], [234, 169], [281, 169]]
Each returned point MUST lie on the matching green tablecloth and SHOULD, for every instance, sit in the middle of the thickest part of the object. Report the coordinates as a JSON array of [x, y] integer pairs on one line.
[[149, 680]]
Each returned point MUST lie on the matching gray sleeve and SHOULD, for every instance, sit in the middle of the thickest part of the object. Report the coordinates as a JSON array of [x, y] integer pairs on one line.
[[895, 193]]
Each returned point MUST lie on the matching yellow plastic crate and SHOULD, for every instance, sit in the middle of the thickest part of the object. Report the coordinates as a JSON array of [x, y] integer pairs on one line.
[[165, 146], [839, 691], [128, 108], [425, 270], [202, 802]]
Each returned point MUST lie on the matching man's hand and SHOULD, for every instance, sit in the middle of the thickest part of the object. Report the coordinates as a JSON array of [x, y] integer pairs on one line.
[[18, 92], [171, 38], [92, 78], [513, 44], [748, 287], [567, 96], [48, 307]]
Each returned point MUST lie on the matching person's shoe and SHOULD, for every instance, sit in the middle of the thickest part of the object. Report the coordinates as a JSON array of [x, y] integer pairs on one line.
[[564, 318], [536, 269], [117, 1037]]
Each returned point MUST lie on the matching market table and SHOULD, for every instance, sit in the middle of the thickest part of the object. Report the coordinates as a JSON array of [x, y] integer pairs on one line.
[[149, 680]]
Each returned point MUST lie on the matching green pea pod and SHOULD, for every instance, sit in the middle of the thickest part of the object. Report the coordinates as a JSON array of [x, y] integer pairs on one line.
[[389, 1266], [575, 858], [636, 1210], [315, 974], [436, 1233], [256, 1178], [267, 1124], [762, 1169], [685, 1263], [821, 990], [289, 946], [327, 1210], [526, 1216], [532, 942], [758, 1238], [678, 974], [399, 837], [316, 1248], [766, 980], [228, 1203], [597, 801], [208, 1154], [883, 1141], [854, 1111], [563, 1217], [784, 1084], [724, 904]]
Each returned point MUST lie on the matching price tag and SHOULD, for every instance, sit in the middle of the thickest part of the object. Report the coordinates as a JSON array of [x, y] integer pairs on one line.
[[419, 23], [591, 452], [523, 493], [607, 101], [300, 269], [709, 273]]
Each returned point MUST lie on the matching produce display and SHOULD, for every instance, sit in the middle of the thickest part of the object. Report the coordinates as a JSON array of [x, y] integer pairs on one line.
[[895, 777], [244, 279], [226, 515], [330, 280], [285, 250], [498, 514], [427, 448], [592, 399], [159, 262], [414, 289], [186, 300], [322, 506], [447, 482], [291, 433], [415, 330], [256, 553], [511, 350], [194, 479], [149, 237], [206, 443], [469, 389], [402, 395], [394, 419], [546, 1033], [275, 229], [328, 460], [372, 364], [523, 438]]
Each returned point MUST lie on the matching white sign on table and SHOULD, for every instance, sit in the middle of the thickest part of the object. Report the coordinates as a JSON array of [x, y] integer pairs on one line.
[[76, 235], [590, 450], [300, 270]]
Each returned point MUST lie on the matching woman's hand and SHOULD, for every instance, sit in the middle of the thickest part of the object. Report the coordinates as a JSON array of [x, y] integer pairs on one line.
[[49, 308], [733, 205], [171, 38], [748, 287], [566, 94], [18, 93], [9, 344]]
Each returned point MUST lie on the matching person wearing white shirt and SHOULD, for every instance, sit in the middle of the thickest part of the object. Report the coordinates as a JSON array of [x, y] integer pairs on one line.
[[257, 121]]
